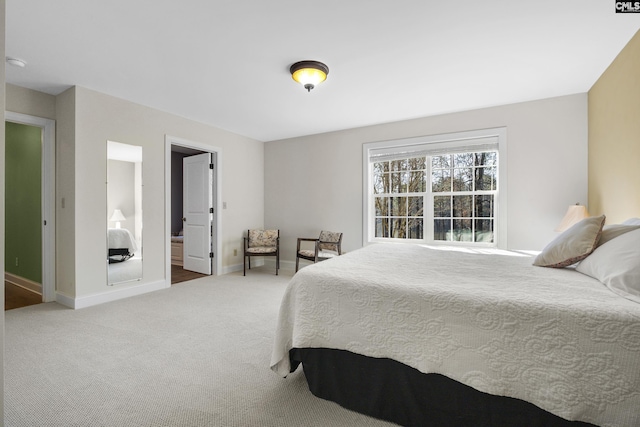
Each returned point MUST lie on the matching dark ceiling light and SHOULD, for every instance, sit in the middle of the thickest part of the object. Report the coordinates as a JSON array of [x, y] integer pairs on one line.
[[309, 73]]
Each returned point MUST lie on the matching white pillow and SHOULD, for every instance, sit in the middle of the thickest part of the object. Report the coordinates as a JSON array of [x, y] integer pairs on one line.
[[614, 230], [573, 245], [632, 221], [617, 265]]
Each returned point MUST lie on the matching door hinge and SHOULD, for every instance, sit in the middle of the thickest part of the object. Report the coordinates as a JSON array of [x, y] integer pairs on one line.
[[210, 254], [210, 210], [210, 165]]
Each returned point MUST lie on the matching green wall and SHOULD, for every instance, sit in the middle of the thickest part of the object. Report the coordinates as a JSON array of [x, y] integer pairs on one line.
[[23, 210]]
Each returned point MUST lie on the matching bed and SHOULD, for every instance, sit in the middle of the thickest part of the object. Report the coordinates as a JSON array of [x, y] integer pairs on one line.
[[122, 245], [423, 335]]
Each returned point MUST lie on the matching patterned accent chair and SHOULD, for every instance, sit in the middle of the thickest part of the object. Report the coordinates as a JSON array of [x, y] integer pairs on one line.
[[328, 245], [261, 243]]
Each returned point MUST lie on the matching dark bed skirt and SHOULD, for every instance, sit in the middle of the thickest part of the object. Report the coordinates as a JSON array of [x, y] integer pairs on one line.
[[389, 390]]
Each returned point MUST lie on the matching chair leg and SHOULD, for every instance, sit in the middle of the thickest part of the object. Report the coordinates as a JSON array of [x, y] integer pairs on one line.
[[244, 265], [297, 262], [277, 263]]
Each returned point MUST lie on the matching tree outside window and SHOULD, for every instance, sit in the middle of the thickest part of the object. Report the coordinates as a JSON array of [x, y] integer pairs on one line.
[[460, 188]]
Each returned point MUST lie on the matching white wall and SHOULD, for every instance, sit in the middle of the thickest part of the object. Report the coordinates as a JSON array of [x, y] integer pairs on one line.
[[31, 102], [315, 182], [65, 193], [83, 139]]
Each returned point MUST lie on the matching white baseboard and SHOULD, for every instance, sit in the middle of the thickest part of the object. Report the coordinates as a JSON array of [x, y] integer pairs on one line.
[[111, 295], [23, 283], [285, 266], [231, 268], [239, 267], [65, 300]]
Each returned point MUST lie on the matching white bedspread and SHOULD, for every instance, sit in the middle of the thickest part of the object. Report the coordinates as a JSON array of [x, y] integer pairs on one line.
[[555, 338], [120, 238]]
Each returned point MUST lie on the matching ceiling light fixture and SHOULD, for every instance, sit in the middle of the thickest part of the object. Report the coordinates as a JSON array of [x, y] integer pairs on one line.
[[309, 73], [15, 62]]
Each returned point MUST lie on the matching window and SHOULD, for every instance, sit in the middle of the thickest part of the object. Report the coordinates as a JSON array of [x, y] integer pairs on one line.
[[444, 188], [399, 187]]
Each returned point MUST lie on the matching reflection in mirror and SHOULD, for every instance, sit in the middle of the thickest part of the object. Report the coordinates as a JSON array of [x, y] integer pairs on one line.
[[124, 213]]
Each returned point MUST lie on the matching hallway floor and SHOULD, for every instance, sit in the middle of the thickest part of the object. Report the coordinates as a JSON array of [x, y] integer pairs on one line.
[[16, 297], [178, 274]]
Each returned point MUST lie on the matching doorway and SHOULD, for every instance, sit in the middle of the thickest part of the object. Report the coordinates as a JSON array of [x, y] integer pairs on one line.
[[29, 210], [194, 242]]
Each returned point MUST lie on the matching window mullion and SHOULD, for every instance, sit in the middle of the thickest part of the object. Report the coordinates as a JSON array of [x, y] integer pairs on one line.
[[427, 223]]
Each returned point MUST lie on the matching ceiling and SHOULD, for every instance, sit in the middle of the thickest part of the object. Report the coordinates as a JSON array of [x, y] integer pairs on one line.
[[226, 62]]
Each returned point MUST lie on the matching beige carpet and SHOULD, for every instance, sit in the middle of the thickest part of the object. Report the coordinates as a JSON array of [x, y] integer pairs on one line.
[[196, 354]]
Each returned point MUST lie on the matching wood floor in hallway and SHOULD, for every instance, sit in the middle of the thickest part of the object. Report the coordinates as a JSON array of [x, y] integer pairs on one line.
[[179, 274], [16, 296]]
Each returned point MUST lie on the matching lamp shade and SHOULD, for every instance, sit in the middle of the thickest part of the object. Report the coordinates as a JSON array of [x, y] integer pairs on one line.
[[117, 216], [575, 213], [309, 73]]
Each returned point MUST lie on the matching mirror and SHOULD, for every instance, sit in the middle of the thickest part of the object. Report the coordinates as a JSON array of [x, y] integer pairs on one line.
[[124, 213]]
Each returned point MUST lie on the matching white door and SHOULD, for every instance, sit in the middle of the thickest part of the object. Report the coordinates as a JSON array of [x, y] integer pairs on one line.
[[197, 212]]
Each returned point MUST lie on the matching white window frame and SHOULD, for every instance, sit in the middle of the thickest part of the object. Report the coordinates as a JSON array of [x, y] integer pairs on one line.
[[415, 145]]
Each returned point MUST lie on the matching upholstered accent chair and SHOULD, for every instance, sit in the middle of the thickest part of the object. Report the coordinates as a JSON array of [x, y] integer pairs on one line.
[[328, 245], [261, 243]]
